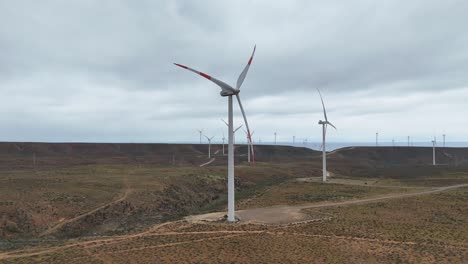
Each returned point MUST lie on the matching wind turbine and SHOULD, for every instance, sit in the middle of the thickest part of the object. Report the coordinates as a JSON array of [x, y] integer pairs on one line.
[[444, 140], [209, 145], [275, 137], [408, 141], [223, 143], [234, 132], [249, 145], [294, 140], [376, 139], [433, 151], [201, 132], [324, 132], [228, 91]]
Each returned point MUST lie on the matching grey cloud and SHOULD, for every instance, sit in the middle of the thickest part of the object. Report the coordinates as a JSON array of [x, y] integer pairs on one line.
[[112, 60]]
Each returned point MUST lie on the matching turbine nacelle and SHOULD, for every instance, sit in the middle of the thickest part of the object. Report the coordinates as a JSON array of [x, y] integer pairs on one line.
[[229, 92]]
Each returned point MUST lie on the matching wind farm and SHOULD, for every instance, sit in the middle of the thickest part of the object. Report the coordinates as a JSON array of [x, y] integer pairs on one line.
[[348, 145]]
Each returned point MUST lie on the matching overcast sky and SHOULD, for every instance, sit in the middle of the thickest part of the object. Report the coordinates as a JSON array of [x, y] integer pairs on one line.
[[102, 71]]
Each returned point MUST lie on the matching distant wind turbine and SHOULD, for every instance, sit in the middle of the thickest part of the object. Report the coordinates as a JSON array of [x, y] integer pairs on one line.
[[433, 151], [223, 143], [377, 139], [229, 91], [294, 140], [444, 140], [275, 137], [408, 141], [209, 146], [324, 132], [234, 132], [201, 132], [249, 145]]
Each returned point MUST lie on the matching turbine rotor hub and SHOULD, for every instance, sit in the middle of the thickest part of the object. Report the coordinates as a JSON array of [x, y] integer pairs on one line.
[[225, 93]]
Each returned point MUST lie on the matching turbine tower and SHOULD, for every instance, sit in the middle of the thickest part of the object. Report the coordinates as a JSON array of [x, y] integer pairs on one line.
[[223, 143], [433, 151], [294, 140], [275, 137], [235, 130], [229, 91], [444, 140], [324, 132], [408, 141], [249, 145], [376, 139], [201, 132], [209, 146]]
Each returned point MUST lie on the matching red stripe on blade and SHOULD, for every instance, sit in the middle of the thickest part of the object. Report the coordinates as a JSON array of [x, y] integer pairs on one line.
[[205, 75], [250, 60], [182, 66]]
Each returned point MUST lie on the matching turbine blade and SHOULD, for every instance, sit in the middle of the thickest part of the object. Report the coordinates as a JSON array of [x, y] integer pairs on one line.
[[235, 130], [323, 105], [241, 78], [332, 125], [224, 86], [246, 124], [225, 122], [207, 137]]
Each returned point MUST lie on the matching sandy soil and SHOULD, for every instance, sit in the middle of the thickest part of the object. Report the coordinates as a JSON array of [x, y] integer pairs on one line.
[[281, 214], [293, 214], [63, 222]]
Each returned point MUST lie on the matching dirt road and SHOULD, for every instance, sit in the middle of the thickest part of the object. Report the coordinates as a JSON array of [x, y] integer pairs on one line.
[[207, 163], [58, 225], [292, 214], [269, 215]]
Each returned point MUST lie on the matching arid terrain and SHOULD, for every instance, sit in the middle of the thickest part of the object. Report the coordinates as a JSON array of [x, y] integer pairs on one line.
[[154, 203]]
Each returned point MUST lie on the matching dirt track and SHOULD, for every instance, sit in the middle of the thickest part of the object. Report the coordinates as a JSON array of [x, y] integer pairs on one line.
[[280, 214], [207, 163], [58, 225], [291, 214]]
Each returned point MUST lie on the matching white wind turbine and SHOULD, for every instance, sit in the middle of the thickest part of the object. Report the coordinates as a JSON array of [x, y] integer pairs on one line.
[[201, 133], [234, 132], [249, 145], [209, 145], [324, 132], [223, 143], [275, 137], [229, 91], [433, 151]]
